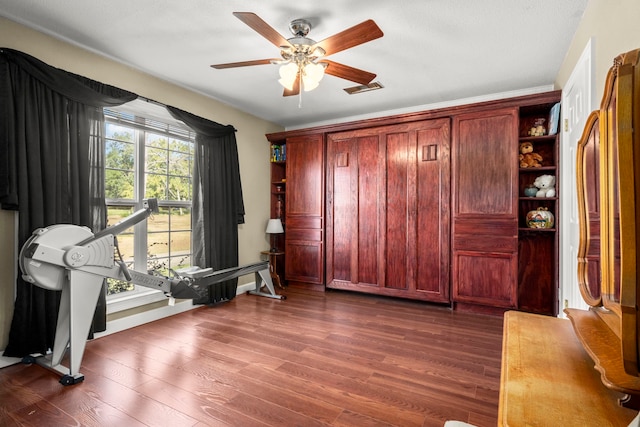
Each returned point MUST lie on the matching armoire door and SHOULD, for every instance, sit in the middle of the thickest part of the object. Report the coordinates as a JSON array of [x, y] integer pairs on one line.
[[388, 210], [484, 208], [304, 212]]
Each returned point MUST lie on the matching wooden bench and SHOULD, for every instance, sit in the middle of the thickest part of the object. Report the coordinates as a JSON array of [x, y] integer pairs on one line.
[[548, 379]]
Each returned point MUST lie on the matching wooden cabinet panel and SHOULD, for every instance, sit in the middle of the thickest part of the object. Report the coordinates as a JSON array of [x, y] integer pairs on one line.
[[305, 172], [485, 167], [482, 243], [304, 261], [353, 222], [388, 211], [305, 222], [304, 242], [310, 235], [487, 278], [400, 159], [485, 221], [536, 253], [433, 211]]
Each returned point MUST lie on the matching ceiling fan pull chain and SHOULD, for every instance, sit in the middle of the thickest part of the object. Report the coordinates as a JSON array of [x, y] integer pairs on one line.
[[300, 96]]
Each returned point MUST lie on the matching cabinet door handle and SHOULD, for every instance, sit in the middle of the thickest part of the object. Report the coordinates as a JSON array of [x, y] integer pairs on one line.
[[342, 160], [429, 153]]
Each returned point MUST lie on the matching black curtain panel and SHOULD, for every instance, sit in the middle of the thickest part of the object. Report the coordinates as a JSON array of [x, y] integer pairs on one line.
[[218, 206], [51, 172]]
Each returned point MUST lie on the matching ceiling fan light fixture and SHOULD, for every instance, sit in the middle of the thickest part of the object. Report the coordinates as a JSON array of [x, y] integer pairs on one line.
[[288, 74], [309, 84], [312, 73], [287, 84], [317, 52]]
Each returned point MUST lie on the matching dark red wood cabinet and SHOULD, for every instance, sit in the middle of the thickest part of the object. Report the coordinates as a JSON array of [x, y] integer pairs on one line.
[[485, 208], [388, 210], [425, 206], [304, 211]]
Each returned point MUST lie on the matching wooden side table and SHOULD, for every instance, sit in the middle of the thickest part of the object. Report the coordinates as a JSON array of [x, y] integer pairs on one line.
[[273, 266]]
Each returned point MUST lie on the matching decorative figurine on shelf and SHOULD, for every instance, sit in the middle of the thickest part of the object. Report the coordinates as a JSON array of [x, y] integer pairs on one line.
[[528, 158], [546, 186], [538, 128], [530, 191], [537, 131], [540, 218]]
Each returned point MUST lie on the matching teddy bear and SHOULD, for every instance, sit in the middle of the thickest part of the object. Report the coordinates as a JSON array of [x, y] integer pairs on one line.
[[546, 186], [528, 158]]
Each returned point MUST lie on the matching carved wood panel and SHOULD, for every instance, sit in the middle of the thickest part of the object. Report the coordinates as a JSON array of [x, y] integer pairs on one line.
[[485, 174], [305, 171], [304, 232], [388, 211]]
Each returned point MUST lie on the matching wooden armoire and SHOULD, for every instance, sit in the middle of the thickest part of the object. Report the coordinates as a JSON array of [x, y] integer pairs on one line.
[[485, 208], [388, 210], [425, 206]]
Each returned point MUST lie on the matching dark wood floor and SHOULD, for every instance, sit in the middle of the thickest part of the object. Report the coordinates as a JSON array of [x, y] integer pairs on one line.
[[333, 358]]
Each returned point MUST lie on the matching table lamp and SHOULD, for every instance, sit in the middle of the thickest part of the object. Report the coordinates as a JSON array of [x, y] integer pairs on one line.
[[274, 226]]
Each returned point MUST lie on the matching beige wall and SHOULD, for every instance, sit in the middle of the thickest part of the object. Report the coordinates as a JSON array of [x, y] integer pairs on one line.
[[7, 268], [613, 25], [253, 148]]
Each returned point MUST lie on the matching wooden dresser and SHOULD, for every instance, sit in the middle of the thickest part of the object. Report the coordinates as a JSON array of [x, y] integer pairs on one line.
[[585, 371], [548, 378]]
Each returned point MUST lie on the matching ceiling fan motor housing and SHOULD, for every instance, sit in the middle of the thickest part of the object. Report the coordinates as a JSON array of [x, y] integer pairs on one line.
[[300, 27]]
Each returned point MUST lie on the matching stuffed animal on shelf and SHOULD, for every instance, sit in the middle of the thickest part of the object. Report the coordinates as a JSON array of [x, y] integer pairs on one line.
[[528, 158], [537, 131], [546, 186]]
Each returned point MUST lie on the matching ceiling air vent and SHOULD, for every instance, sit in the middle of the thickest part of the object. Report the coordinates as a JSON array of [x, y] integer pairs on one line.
[[363, 88]]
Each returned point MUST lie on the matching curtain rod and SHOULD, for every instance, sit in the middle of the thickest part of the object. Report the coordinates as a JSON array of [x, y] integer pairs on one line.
[[151, 101]]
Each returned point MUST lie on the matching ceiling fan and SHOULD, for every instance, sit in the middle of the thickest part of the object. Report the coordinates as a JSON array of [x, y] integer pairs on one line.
[[302, 61]]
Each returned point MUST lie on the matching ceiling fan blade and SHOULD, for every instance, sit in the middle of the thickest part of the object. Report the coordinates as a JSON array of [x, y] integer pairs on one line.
[[242, 64], [262, 28], [358, 34], [295, 90], [348, 73]]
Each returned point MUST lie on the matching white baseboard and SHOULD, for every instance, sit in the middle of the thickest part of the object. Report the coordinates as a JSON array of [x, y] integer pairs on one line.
[[246, 288], [158, 313], [138, 319], [8, 361]]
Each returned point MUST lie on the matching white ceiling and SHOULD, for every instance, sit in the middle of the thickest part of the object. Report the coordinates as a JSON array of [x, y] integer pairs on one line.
[[432, 52]]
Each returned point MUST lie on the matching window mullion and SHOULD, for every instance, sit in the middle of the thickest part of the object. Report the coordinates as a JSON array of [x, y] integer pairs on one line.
[[140, 229]]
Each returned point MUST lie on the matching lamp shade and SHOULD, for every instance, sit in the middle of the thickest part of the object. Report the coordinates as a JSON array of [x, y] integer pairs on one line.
[[274, 226], [288, 74]]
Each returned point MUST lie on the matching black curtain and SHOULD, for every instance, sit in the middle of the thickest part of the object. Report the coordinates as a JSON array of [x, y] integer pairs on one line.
[[218, 206], [51, 172]]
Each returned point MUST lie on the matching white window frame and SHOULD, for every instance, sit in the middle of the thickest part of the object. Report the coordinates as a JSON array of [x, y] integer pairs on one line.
[[158, 115]]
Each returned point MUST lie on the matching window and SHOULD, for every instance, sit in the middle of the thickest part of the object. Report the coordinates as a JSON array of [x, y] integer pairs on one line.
[[146, 158]]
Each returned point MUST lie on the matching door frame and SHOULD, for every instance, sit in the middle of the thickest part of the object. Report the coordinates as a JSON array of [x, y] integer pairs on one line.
[[582, 78]]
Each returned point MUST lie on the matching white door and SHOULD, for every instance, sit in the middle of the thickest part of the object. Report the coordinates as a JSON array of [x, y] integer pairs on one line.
[[576, 107]]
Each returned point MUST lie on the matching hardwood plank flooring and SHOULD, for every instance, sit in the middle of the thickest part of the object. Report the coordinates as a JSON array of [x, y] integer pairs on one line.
[[315, 359]]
